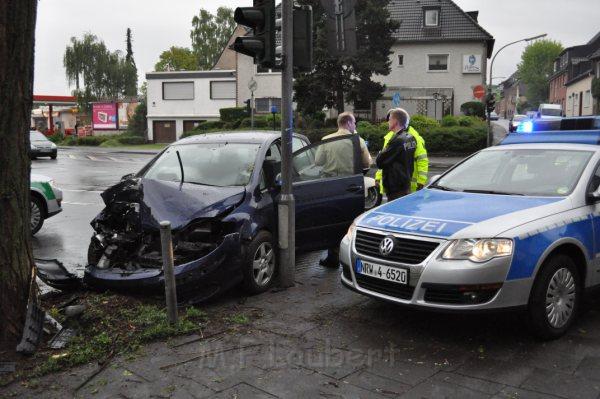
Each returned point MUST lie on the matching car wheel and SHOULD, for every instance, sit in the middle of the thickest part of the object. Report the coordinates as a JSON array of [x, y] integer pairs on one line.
[[554, 297], [37, 214], [373, 198], [260, 264], [53, 156]]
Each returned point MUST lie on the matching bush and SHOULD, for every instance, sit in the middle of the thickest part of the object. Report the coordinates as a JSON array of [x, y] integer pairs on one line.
[[473, 108], [191, 133], [92, 140], [449, 120], [56, 137], [70, 140], [331, 122], [111, 143], [374, 134], [131, 140], [455, 139], [262, 122], [233, 114], [210, 125], [422, 122]]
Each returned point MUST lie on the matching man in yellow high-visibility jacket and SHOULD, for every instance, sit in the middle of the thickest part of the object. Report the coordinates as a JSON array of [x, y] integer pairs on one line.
[[419, 177]]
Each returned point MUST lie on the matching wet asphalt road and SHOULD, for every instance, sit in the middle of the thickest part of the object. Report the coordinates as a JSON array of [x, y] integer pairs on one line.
[[82, 174]]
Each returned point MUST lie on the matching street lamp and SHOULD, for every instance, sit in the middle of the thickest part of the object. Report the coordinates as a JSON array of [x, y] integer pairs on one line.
[[489, 90]]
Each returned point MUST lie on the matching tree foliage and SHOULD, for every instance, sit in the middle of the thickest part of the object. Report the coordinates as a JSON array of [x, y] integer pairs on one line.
[[176, 59], [97, 72], [335, 81], [138, 123], [535, 68], [210, 34]]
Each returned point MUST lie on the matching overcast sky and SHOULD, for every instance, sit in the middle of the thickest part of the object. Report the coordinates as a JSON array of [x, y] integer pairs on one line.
[[158, 24]]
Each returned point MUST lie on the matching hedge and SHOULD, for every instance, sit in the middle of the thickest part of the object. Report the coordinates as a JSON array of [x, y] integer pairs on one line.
[[455, 139], [233, 114], [421, 122], [262, 122], [131, 140], [473, 108]]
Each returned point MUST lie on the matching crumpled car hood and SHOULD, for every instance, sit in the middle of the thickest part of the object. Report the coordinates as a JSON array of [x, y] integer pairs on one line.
[[171, 201]]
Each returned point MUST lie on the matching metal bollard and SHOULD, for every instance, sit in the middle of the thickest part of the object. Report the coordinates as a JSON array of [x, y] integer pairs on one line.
[[167, 255]]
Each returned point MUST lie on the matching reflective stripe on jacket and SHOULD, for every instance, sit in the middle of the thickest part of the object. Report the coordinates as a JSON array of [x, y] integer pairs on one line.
[[421, 167]]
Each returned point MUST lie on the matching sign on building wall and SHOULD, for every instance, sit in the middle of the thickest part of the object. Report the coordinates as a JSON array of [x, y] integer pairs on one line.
[[104, 116], [125, 112], [471, 63]]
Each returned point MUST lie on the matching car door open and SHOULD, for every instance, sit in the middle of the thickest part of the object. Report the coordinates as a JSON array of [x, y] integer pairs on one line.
[[328, 188]]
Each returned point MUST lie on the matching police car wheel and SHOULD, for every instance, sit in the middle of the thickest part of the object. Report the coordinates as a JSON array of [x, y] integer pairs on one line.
[[555, 297], [36, 214], [260, 264]]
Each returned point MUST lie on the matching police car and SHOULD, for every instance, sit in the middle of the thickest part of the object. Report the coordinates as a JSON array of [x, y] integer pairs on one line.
[[512, 226]]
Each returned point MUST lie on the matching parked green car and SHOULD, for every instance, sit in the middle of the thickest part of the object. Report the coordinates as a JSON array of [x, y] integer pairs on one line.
[[45, 201]]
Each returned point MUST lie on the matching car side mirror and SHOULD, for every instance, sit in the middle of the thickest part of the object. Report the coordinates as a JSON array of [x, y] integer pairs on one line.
[[594, 196], [128, 176]]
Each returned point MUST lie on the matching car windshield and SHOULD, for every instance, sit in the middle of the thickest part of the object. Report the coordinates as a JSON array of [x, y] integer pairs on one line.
[[37, 136], [551, 112], [533, 172], [213, 164]]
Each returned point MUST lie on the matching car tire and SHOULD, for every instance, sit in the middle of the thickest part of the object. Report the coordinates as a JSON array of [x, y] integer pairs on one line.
[[555, 297], [53, 156], [260, 264], [37, 214], [374, 197]]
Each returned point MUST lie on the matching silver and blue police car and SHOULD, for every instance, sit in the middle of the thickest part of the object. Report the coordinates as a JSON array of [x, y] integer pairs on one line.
[[512, 226]]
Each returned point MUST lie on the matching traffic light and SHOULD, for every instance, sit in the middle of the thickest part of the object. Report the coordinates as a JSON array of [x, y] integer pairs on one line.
[[490, 102], [260, 46], [303, 38], [248, 106]]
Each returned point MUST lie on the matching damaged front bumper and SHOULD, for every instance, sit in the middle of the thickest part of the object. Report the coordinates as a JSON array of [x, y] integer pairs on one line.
[[205, 277]]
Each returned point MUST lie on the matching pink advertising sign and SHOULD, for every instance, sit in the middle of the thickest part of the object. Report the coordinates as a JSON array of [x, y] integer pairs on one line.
[[104, 116]]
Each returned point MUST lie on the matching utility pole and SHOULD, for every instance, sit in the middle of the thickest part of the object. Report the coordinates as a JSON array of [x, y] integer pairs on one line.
[[286, 204]]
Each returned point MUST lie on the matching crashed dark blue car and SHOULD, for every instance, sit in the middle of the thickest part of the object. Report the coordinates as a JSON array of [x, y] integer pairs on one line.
[[219, 193]]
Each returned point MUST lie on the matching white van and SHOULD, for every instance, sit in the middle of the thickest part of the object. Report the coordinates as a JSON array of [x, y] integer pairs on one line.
[[549, 111]]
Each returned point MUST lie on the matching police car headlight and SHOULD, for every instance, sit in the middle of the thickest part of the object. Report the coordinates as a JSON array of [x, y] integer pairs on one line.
[[478, 250], [351, 230]]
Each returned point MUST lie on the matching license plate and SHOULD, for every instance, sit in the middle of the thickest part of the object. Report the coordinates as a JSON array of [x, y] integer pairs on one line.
[[382, 272]]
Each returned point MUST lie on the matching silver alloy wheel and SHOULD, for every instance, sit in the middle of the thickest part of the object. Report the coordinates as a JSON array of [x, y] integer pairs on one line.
[[560, 298], [371, 199], [36, 215], [263, 264]]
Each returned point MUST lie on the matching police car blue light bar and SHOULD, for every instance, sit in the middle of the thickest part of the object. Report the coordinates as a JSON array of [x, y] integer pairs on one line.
[[570, 136]]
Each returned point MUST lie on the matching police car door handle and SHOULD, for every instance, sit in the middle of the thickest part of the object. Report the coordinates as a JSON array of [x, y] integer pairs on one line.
[[354, 188]]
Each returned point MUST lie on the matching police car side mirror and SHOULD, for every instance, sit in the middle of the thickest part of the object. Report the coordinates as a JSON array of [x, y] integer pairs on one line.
[[594, 197]]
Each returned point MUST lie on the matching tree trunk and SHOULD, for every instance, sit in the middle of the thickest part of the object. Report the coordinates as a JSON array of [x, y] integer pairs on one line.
[[17, 30]]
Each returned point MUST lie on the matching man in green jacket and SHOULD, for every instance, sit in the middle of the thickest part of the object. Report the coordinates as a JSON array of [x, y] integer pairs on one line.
[[419, 177]]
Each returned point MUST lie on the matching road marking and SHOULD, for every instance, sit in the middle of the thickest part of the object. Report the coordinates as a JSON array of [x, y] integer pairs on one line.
[[92, 158], [81, 203], [72, 156]]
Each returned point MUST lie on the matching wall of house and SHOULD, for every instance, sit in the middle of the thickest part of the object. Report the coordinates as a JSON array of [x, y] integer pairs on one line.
[[414, 72], [201, 107], [268, 84], [558, 90], [575, 91]]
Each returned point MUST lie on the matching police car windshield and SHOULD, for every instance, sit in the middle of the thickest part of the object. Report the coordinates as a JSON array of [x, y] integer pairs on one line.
[[533, 172]]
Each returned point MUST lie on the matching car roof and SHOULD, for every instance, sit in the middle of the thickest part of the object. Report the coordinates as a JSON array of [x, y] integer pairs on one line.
[[246, 137], [556, 136]]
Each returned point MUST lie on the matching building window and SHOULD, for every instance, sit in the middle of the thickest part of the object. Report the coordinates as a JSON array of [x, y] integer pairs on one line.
[[431, 16], [261, 69], [400, 59], [178, 90], [222, 90], [587, 99], [263, 105], [437, 62]]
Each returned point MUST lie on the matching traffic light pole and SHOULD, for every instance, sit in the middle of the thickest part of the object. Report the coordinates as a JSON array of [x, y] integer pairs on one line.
[[286, 202]]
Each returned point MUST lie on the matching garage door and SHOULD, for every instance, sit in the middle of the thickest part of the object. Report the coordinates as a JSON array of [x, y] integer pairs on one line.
[[190, 125], [164, 131]]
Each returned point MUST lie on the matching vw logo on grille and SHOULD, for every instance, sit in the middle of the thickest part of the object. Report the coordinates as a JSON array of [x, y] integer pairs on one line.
[[387, 246]]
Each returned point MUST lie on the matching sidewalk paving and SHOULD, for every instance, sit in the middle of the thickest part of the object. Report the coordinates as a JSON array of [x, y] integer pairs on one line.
[[320, 340]]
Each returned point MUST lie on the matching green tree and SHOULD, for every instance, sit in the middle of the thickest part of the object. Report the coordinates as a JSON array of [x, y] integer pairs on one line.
[[335, 81], [535, 69], [17, 27], [138, 123], [210, 34], [129, 70], [176, 59], [97, 72]]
